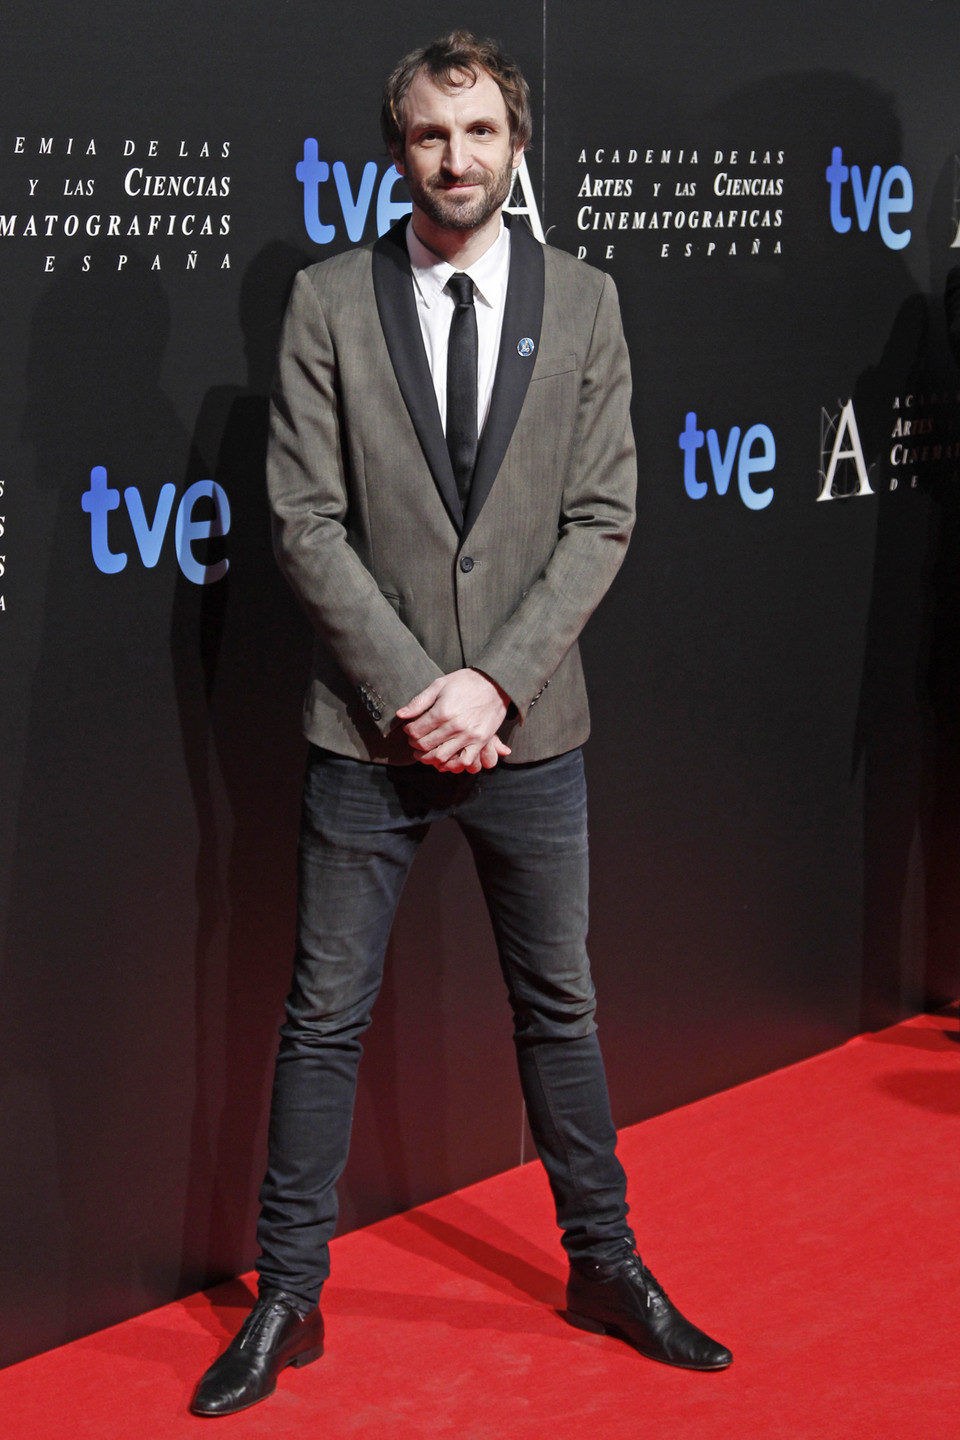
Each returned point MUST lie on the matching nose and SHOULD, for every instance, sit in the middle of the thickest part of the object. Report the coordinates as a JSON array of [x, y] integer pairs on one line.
[[457, 158]]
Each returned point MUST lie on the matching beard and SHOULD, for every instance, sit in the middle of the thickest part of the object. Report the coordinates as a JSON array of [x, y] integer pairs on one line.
[[460, 212]]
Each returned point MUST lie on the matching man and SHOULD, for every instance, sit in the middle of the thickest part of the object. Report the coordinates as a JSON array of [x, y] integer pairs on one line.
[[452, 476]]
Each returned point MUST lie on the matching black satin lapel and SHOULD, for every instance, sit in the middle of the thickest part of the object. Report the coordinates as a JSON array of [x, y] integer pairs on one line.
[[522, 321], [393, 288]]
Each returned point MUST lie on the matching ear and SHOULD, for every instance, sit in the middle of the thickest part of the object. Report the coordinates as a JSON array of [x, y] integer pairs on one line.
[[517, 156]]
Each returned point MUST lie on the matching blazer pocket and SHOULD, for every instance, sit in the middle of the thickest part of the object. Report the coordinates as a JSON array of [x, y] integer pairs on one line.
[[548, 365]]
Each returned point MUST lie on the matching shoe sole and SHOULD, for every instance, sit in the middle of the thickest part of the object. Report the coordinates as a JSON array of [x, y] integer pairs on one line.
[[305, 1357], [599, 1327]]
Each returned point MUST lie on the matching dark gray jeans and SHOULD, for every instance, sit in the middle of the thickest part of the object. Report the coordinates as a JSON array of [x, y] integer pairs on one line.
[[360, 829]]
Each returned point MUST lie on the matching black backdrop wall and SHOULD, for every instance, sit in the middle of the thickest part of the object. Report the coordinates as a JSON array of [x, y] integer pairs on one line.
[[773, 770]]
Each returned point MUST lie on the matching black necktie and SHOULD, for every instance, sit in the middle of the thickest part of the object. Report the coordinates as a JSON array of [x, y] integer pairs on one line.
[[462, 383]]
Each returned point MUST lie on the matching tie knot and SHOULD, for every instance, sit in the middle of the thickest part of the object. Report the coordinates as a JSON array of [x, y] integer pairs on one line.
[[460, 286]]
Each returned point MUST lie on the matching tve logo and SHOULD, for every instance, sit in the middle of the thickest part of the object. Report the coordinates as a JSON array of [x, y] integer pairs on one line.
[[888, 193], [354, 206], [100, 499], [312, 172], [755, 454]]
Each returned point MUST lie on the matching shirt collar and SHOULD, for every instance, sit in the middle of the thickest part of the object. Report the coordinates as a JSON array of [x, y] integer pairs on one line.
[[489, 273]]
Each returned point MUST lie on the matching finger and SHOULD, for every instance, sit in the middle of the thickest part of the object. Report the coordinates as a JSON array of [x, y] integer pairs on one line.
[[449, 748], [428, 734], [420, 702], [449, 767], [470, 756], [450, 764], [488, 755]]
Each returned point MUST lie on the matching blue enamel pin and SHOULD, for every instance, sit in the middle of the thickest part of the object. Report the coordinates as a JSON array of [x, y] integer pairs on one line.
[[525, 346]]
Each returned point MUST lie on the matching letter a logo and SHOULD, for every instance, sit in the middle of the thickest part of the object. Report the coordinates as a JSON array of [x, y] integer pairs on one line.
[[844, 426], [528, 207]]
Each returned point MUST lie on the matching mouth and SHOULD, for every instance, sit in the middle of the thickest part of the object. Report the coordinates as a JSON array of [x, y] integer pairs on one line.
[[451, 187]]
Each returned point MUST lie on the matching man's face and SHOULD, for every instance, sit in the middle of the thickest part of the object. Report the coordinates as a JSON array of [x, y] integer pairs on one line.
[[458, 160]]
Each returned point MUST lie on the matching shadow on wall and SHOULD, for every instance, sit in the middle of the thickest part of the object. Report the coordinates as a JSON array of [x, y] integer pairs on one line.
[[849, 297], [774, 737], [239, 651], [909, 720], [843, 299], [942, 679], [152, 886], [93, 1019]]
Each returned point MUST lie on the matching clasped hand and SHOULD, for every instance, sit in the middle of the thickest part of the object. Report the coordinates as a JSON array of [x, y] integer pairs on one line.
[[453, 724]]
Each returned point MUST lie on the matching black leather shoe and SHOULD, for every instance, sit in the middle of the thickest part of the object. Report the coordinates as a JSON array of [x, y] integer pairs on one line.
[[275, 1334], [622, 1298]]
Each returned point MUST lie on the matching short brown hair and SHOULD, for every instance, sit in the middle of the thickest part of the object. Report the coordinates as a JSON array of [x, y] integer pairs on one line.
[[459, 51]]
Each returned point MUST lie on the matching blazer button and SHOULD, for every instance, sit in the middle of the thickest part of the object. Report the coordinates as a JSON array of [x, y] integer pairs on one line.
[[466, 563]]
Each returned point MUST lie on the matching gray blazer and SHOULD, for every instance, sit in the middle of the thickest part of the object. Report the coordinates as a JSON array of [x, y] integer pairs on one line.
[[402, 586]]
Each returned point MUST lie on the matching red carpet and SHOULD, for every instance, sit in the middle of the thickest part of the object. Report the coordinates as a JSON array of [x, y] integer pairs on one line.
[[808, 1219]]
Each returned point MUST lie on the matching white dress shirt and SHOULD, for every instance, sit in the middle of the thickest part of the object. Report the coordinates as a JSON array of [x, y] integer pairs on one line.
[[435, 309]]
